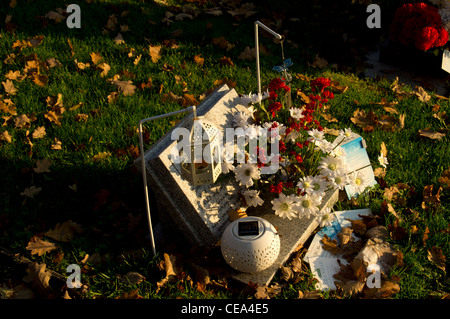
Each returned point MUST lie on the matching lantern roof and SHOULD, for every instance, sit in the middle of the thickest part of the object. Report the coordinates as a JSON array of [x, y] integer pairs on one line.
[[201, 131]]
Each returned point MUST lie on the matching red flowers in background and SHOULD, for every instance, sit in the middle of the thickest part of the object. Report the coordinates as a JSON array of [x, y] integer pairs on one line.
[[420, 25]]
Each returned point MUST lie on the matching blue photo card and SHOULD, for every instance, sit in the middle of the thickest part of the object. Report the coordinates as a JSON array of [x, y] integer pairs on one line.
[[358, 160]]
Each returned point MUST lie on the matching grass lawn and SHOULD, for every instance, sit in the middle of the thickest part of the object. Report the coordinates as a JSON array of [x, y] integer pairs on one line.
[[71, 101]]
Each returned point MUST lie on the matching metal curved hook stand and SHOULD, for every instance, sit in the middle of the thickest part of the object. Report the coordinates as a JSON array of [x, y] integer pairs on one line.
[[144, 171], [276, 35]]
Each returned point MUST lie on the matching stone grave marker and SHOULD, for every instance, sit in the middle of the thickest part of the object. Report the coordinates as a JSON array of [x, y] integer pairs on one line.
[[201, 212]]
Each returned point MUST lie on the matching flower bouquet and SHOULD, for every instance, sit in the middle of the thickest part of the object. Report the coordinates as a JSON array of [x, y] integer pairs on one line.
[[306, 164], [418, 36]]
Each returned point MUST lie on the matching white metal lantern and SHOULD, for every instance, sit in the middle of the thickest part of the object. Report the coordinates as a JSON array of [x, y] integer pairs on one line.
[[250, 244], [203, 165]]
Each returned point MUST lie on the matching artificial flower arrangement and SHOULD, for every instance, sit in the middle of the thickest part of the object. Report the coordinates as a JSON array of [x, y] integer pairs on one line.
[[421, 25], [309, 165]]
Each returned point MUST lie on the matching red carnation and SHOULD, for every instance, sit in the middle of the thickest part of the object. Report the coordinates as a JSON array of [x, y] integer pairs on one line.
[[320, 83], [425, 38]]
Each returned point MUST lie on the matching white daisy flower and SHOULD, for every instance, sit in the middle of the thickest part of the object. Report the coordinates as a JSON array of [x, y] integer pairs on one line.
[[318, 186], [347, 133], [338, 179], [296, 113], [252, 198], [324, 146], [308, 205], [315, 135], [305, 183], [246, 173], [331, 164], [227, 167], [285, 206], [383, 160], [338, 152], [325, 217], [357, 181]]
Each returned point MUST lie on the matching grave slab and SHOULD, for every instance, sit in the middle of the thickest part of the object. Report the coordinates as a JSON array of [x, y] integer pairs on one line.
[[201, 212]]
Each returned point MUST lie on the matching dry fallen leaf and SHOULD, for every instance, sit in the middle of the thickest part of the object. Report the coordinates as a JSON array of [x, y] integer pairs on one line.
[[247, 54], [57, 145], [53, 117], [64, 232], [6, 137], [42, 166], [155, 52], [9, 87], [199, 60], [330, 245], [101, 156], [132, 278], [40, 247], [431, 134], [22, 121], [96, 57], [125, 87], [39, 132], [39, 278], [31, 191], [422, 95], [436, 256]]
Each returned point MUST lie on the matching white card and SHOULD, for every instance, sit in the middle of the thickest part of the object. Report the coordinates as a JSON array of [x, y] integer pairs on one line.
[[446, 61]]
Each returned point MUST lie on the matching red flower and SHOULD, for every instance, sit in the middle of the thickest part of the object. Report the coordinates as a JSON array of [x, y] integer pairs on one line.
[[320, 84], [425, 38], [272, 95], [275, 107], [276, 188], [418, 24]]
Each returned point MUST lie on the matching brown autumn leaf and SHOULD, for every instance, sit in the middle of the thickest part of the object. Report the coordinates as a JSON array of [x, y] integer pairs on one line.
[[345, 235], [81, 117], [188, 100], [112, 97], [226, 61], [422, 95], [53, 117], [96, 57], [9, 87], [247, 54], [40, 80], [125, 87], [445, 179], [53, 63], [430, 200], [119, 39], [42, 166], [39, 278], [199, 60], [39, 246], [330, 245], [39, 132], [431, 134], [318, 62], [358, 226], [6, 137], [81, 65], [330, 118], [337, 87], [104, 67], [223, 43], [305, 98], [57, 145], [388, 288], [31, 191], [7, 106], [363, 119], [155, 52], [64, 232], [22, 121], [101, 156], [436, 256], [13, 75], [230, 83]]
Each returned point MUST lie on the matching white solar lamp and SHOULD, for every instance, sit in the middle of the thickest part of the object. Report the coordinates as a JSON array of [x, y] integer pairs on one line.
[[250, 244]]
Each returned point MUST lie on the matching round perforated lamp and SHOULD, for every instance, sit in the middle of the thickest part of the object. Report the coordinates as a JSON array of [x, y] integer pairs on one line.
[[250, 244]]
